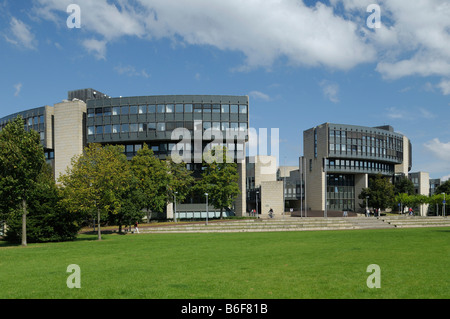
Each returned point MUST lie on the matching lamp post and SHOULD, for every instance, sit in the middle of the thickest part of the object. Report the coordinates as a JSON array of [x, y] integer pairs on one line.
[[206, 209], [443, 211], [257, 192], [175, 206]]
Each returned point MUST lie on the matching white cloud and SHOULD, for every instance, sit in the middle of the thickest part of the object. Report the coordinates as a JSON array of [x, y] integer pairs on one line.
[[259, 95], [263, 30], [97, 47], [445, 178], [439, 149], [18, 88], [445, 87], [330, 90], [19, 34], [130, 70], [414, 39]]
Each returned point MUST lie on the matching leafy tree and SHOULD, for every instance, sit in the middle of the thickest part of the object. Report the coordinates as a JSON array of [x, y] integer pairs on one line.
[[443, 188], [219, 179], [403, 199], [180, 180], [21, 161], [132, 204], [380, 192], [153, 179], [404, 185], [47, 220], [96, 181]]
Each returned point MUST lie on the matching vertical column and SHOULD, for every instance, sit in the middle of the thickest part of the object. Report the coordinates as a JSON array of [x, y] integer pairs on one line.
[[68, 133]]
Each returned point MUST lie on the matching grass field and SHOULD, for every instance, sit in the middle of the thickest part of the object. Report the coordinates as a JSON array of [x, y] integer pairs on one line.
[[414, 263]]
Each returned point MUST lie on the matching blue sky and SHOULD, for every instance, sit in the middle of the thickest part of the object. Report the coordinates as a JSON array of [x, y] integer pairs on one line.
[[301, 63]]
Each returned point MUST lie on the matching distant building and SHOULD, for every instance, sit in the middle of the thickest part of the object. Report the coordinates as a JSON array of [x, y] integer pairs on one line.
[[90, 116], [340, 158]]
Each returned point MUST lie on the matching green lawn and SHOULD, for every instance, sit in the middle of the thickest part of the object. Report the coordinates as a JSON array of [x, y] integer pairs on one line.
[[286, 265]]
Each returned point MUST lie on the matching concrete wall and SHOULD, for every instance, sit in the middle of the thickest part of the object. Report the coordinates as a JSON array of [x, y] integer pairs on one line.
[[68, 132], [361, 181], [315, 176], [271, 197]]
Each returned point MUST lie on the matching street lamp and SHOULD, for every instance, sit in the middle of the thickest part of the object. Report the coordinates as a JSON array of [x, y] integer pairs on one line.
[[257, 192], [443, 212], [175, 206], [206, 209]]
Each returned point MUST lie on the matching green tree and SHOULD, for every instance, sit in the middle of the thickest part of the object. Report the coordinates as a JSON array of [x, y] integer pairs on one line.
[[404, 185], [21, 161], [96, 181], [443, 188], [47, 220], [380, 192], [219, 179], [153, 180], [180, 180]]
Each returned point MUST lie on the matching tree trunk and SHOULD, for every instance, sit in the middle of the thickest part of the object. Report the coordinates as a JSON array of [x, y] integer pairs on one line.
[[24, 222], [221, 213], [98, 228]]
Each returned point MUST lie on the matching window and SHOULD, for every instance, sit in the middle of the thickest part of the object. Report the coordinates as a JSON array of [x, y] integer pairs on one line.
[[179, 108], [206, 125], [133, 127], [243, 109], [216, 108], [142, 109], [107, 111], [30, 121], [170, 108], [161, 127], [225, 108], [41, 119], [116, 110], [107, 129], [234, 108], [197, 108], [133, 109], [225, 126], [142, 127], [124, 110], [151, 126], [98, 111], [99, 129], [91, 130], [216, 126], [170, 126], [91, 112], [161, 108], [207, 108], [125, 128], [234, 126], [116, 128], [188, 108], [42, 135], [242, 126], [151, 109]]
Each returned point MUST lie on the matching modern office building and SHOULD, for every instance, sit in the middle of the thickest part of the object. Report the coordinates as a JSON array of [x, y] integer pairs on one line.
[[421, 181], [172, 125], [340, 158]]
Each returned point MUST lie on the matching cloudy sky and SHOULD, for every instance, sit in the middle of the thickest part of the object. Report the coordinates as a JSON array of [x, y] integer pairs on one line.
[[302, 63]]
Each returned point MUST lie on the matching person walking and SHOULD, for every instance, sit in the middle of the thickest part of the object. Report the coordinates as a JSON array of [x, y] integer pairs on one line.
[[136, 229]]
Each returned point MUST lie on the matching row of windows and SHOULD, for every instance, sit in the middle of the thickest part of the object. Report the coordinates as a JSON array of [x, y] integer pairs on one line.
[[333, 164], [369, 139], [29, 121], [168, 108], [165, 126], [365, 150]]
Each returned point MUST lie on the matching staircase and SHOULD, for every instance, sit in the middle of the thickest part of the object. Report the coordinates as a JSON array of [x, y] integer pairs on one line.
[[299, 224]]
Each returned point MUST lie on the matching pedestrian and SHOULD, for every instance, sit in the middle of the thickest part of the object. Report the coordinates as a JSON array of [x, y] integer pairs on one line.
[[271, 213], [136, 229]]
